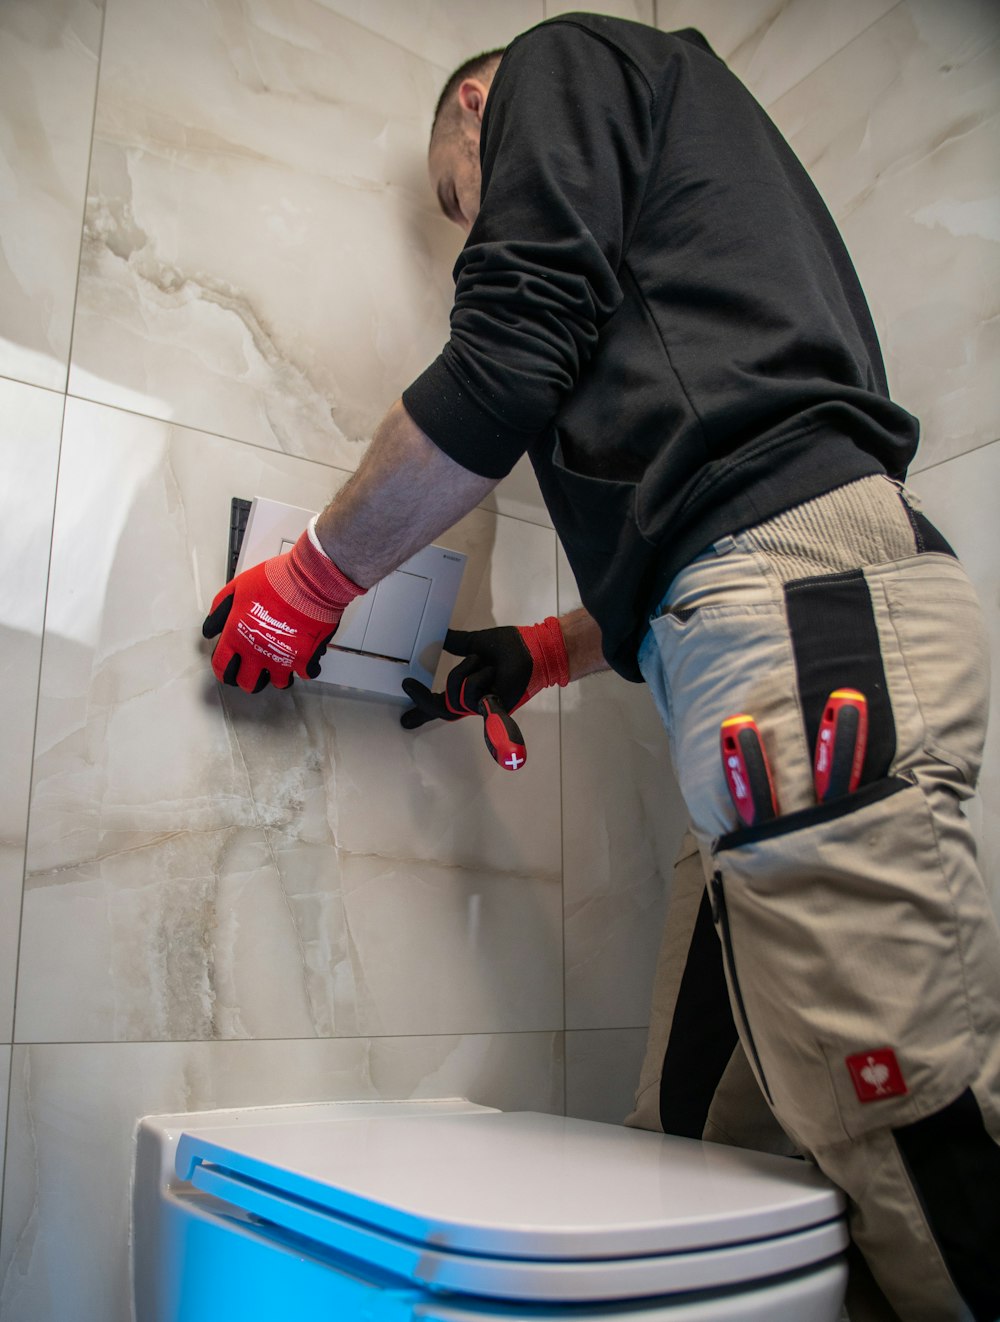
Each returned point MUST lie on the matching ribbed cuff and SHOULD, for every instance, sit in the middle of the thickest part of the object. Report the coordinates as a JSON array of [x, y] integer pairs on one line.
[[550, 660], [445, 410], [309, 580]]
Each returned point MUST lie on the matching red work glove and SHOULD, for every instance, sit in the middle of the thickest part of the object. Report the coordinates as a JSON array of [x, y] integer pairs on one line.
[[512, 663], [277, 618]]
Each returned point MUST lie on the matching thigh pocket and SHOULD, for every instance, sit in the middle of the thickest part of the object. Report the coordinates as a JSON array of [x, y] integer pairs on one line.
[[840, 944]]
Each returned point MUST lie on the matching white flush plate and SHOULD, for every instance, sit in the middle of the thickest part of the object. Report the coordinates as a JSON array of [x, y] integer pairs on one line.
[[395, 631]]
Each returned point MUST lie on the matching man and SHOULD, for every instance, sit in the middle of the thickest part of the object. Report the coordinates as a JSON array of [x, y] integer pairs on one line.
[[655, 305]]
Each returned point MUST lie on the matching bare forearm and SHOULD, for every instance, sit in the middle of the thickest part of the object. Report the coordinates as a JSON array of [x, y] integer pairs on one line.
[[405, 493], [583, 644]]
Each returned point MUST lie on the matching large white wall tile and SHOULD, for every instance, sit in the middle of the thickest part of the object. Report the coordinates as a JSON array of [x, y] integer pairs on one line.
[[602, 1073], [623, 819], [446, 32], [64, 1253], [5, 1055], [636, 11], [256, 865], [773, 44], [48, 78], [962, 497], [30, 422], [519, 496], [4, 1085], [899, 131], [263, 257]]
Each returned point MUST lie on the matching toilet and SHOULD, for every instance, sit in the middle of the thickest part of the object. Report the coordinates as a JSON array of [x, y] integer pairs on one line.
[[446, 1211]]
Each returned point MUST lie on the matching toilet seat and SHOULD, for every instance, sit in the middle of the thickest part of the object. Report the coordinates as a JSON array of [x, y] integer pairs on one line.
[[523, 1206]]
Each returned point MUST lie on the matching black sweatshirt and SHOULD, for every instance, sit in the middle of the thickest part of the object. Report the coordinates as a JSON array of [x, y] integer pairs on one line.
[[656, 305]]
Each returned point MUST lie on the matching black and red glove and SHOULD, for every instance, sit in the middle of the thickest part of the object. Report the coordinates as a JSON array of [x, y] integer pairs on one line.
[[277, 618], [511, 663]]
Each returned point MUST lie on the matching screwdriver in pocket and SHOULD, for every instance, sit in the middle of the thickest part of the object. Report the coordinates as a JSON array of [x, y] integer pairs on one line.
[[748, 774], [840, 745]]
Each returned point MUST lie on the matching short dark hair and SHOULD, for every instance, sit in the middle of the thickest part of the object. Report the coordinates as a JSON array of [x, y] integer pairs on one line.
[[474, 68]]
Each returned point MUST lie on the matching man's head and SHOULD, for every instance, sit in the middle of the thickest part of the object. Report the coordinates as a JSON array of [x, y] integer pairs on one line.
[[453, 157]]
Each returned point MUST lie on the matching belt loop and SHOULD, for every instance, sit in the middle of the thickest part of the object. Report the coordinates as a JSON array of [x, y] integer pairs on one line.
[[724, 545]]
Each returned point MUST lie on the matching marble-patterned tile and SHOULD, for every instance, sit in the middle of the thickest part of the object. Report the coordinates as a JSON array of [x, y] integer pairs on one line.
[[30, 422], [247, 866], [48, 78], [602, 1072], [263, 257], [623, 819], [5, 1055], [773, 44], [899, 132], [961, 497], [636, 11], [446, 32], [74, 1109], [519, 496], [4, 1086]]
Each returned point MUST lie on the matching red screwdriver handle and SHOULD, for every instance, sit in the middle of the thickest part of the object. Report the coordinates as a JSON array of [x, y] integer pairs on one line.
[[840, 745], [747, 771], [502, 734]]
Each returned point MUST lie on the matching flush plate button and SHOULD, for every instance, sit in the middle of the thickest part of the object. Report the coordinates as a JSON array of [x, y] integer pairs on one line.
[[393, 632]]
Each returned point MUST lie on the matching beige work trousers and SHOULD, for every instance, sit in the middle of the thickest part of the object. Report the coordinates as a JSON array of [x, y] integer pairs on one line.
[[835, 989]]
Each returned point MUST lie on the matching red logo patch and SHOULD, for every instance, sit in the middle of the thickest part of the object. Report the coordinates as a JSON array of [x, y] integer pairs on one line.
[[876, 1074]]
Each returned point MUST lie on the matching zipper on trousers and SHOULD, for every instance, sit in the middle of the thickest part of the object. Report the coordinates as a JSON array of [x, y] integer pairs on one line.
[[721, 915]]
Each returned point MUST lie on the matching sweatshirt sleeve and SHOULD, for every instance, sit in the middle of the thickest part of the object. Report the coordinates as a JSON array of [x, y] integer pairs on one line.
[[565, 147]]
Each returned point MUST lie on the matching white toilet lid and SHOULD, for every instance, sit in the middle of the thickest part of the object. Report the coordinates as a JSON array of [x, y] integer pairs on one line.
[[525, 1205]]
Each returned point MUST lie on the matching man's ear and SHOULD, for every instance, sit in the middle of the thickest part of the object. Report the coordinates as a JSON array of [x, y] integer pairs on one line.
[[472, 97]]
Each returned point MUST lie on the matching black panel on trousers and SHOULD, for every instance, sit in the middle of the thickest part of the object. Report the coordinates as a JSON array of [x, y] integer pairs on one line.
[[836, 646], [955, 1167], [702, 1034]]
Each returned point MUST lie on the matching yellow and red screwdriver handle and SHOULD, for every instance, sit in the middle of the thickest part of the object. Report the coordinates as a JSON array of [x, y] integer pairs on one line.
[[837, 765], [840, 745], [748, 774], [502, 734]]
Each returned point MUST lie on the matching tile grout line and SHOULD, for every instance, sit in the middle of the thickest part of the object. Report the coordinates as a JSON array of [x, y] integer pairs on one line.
[[27, 819], [254, 445], [952, 458], [32, 385], [86, 195], [900, 4], [318, 1041], [390, 41], [349, 472], [41, 651]]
